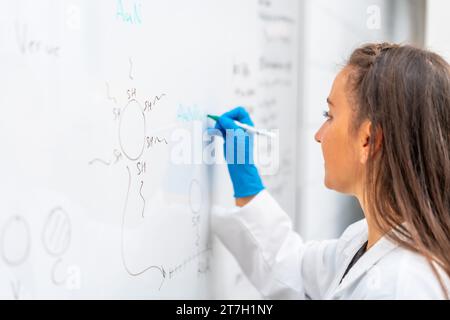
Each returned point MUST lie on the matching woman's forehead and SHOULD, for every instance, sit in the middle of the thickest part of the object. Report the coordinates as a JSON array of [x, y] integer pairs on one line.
[[339, 92]]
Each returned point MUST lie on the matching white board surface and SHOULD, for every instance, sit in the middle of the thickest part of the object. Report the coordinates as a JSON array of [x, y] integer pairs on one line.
[[95, 97]]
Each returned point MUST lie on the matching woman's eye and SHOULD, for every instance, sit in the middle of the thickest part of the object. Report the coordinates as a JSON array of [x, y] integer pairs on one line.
[[327, 115]]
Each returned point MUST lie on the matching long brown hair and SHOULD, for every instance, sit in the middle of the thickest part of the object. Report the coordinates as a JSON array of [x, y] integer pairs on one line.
[[405, 92]]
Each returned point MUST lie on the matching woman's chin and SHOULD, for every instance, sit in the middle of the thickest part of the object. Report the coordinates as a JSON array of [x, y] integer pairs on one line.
[[328, 184], [331, 184], [338, 187]]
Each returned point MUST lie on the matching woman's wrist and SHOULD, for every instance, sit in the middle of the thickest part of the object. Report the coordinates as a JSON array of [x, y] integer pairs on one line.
[[240, 202]]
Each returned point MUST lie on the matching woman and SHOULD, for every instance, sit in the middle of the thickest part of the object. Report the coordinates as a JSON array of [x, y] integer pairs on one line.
[[386, 141]]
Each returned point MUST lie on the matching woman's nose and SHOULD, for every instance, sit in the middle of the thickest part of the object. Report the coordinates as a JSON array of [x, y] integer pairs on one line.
[[318, 137]]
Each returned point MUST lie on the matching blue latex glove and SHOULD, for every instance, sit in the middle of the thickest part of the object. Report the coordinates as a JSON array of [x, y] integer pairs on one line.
[[238, 151]]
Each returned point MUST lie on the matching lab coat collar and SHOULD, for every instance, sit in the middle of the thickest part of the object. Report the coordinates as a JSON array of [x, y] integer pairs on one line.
[[380, 249]]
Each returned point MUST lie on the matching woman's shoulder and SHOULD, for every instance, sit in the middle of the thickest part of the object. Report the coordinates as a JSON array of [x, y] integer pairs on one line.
[[411, 275], [399, 273]]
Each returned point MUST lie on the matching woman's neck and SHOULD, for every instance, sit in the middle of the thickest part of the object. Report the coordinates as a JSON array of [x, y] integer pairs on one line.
[[373, 233]]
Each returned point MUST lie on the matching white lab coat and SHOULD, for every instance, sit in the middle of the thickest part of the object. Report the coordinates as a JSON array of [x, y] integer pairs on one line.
[[281, 266]]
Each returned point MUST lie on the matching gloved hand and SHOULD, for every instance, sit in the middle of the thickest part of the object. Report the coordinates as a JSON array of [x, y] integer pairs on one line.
[[238, 151]]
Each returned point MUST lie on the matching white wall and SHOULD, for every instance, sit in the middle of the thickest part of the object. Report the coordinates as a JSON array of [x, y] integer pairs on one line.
[[438, 26]]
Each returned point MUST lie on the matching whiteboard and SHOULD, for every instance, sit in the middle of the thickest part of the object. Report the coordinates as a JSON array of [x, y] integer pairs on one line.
[[98, 98]]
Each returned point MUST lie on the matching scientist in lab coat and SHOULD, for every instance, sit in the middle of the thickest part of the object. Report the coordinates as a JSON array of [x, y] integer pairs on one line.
[[386, 141]]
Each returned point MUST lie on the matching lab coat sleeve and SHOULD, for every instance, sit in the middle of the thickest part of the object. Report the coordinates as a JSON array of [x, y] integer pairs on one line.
[[274, 258]]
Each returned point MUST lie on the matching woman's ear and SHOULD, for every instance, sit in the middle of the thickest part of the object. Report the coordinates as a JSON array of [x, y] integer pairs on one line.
[[366, 139]]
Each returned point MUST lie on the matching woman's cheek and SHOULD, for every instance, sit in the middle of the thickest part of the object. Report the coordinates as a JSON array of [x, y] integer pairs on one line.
[[326, 144], [328, 161], [331, 157]]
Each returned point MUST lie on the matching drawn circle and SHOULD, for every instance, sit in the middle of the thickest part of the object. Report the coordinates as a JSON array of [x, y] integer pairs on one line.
[[195, 196], [55, 279], [15, 241], [57, 231], [132, 130]]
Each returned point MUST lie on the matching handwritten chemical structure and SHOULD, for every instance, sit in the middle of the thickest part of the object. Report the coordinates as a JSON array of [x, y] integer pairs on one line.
[[133, 152], [131, 117]]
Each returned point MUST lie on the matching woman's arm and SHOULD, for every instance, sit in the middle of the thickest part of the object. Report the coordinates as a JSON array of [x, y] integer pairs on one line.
[[240, 202], [273, 256], [260, 234], [263, 245]]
